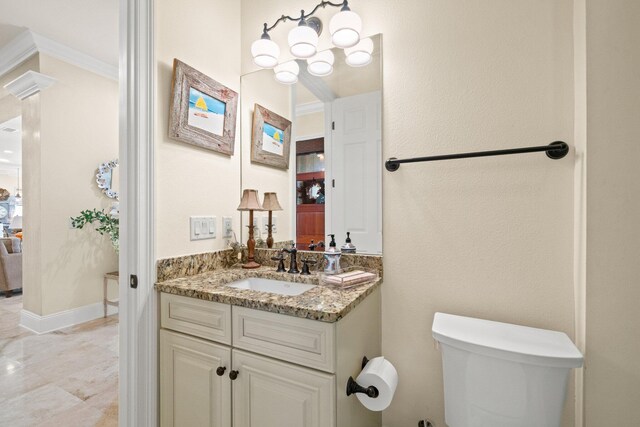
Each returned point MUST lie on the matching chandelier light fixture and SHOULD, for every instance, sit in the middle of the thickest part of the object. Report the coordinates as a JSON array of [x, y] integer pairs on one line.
[[287, 72], [345, 28]]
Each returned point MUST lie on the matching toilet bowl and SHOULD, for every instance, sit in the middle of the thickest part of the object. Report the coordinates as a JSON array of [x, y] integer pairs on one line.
[[502, 375]]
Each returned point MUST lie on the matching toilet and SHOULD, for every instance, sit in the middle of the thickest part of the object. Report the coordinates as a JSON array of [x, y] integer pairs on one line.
[[502, 375]]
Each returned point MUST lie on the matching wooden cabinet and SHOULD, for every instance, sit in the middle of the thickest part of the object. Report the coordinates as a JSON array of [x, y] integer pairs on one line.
[[287, 371]]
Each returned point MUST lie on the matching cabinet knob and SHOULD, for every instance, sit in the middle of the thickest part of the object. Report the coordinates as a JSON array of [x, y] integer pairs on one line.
[[233, 375], [220, 370]]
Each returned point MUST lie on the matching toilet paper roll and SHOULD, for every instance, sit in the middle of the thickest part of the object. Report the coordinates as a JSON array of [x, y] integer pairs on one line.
[[381, 374]]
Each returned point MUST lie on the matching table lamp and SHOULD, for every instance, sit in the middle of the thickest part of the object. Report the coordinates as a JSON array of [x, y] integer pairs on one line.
[[270, 204], [250, 203]]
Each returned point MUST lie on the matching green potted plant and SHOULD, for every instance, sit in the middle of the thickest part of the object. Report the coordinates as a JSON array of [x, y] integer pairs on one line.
[[107, 224]]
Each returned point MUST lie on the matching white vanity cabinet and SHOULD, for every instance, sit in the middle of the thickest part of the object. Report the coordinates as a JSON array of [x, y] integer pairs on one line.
[[232, 366], [191, 391]]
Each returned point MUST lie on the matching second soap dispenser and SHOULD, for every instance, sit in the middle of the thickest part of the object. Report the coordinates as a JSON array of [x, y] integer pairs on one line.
[[332, 257]]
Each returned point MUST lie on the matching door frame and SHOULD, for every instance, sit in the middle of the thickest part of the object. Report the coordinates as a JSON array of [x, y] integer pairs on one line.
[[138, 310]]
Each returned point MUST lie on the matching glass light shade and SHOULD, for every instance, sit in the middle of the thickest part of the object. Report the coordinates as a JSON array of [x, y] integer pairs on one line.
[[321, 64], [265, 53], [16, 223], [345, 28], [303, 41], [250, 201], [287, 72], [360, 54]]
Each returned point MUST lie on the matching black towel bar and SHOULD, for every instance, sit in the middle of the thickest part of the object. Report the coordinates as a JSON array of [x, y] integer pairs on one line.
[[556, 150]]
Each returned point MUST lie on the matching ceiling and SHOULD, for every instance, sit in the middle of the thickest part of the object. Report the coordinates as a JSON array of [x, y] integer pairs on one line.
[[90, 27]]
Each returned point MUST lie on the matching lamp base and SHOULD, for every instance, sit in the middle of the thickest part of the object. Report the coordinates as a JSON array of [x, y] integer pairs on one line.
[[251, 264]]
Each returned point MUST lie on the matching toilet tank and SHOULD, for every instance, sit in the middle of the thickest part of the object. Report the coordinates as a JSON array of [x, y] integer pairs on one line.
[[502, 375]]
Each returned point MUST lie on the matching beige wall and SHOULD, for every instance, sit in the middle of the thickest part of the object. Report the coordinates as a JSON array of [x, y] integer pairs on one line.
[[261, 88], [190, 180], [78, 131], [11, 107], [9, 180], [490, 238], [612, 375], [310, 125], [67, 131]]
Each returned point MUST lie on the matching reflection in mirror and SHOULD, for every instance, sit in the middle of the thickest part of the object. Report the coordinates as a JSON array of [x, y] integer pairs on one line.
[[333, 182]]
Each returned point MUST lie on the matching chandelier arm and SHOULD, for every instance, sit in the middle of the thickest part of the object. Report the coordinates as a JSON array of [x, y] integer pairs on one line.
[[285, 18]]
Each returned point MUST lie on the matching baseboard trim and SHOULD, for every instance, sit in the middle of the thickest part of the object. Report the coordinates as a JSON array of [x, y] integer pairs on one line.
[[64, 319]]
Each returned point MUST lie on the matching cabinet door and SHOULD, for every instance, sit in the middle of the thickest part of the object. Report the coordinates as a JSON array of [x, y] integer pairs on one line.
[[191, 392], [268, 393]]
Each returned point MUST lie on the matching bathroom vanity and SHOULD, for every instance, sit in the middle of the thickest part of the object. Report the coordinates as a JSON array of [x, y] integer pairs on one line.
[[235, 356]]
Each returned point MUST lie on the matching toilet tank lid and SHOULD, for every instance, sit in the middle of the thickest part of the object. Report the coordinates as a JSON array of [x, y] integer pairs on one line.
[[506, 341]]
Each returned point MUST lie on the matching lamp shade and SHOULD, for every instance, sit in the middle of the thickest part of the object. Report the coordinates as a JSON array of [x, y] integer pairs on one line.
[[250, 201], [270, 202], [345, 28], [360, 54], [321, 64], [303, 41], [16, 223], [265, 53], [287, 72]]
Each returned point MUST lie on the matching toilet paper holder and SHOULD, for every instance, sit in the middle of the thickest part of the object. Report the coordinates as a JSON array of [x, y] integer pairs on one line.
[[354, 387]]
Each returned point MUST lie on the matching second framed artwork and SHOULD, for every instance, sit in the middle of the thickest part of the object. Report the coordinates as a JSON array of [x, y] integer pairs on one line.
[[270, 138], [203, 112]]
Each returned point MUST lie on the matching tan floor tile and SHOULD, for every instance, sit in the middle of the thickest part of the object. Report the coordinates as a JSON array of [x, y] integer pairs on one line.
[[80, 415], [38, 404], [67, 378], [19, 382], [96, 379]]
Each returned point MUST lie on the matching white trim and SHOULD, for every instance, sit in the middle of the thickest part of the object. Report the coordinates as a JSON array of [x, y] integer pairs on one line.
[[311, 135], [309, 108], [75, 57], [29, 84], [64, 319], [18, 50], [28, 43], [138, 397], [328, 167]]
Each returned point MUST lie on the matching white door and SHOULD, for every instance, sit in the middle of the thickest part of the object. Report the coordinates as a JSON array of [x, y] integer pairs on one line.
[[192, 394], [268, 393], [356, 180]]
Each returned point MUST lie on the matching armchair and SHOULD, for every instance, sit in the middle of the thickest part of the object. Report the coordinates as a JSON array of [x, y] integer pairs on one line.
[[10, 265]]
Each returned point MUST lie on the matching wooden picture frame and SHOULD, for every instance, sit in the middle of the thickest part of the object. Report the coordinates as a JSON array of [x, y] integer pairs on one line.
[[203, 112], [270, 138]]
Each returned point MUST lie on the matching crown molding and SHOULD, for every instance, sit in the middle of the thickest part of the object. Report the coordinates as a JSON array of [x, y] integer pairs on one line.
[[18, 50], [29, 84], [28, 43], [310, 108]]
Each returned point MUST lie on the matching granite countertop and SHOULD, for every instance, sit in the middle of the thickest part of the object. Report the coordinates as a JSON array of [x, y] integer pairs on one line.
[[322, 303]]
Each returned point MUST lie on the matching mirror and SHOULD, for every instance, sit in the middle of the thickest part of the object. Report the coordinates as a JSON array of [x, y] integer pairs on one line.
[[331, 181], [108, 179]]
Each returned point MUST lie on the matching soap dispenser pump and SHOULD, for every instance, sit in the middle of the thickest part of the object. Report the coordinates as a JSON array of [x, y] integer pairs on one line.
[[348, 247], [332, 256]]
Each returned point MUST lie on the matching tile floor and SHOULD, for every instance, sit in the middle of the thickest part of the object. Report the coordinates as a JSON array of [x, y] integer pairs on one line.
[[64, 378]]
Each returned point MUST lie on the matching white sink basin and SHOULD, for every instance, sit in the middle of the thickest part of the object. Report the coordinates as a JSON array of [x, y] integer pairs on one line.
[[272, 286]]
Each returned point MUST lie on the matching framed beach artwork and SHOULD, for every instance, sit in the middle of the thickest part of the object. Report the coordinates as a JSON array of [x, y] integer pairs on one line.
[[271, 138], [203, 112]]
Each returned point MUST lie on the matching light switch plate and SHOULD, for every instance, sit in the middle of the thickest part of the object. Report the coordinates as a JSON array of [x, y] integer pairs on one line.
[[202, 227], [227, 227]]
